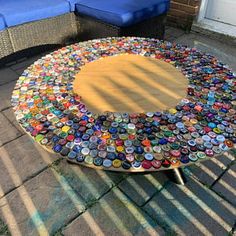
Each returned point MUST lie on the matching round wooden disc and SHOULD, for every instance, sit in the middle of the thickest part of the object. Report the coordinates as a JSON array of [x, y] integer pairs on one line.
[[130, 83]]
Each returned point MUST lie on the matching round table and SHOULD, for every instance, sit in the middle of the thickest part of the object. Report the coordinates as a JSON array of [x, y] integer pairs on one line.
[[175, 109]]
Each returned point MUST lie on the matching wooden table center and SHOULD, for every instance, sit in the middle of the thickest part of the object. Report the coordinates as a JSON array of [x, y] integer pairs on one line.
[[130, 83]]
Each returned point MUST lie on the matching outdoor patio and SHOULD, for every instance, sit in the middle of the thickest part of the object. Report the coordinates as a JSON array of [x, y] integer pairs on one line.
[[40, 194]]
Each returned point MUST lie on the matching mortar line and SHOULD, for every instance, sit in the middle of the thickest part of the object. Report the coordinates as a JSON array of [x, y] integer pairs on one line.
[[209, 187], [166, 184], [12, 123], [5, 108], [224, 198], [12, 69], [233, 230], [167, 229], [224, 171], [8, 82], [89, 205], [30, 178], [26, 180], [212, 190], [12, 140], [142, 209]]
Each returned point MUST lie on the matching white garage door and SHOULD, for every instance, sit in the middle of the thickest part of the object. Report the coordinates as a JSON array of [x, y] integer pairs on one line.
[[222, 10]]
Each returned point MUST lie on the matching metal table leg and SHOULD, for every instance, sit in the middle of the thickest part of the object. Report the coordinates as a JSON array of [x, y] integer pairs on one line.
[[177, 176]]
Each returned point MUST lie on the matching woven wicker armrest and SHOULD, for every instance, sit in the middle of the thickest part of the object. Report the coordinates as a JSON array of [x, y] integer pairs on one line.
[[55, 30]]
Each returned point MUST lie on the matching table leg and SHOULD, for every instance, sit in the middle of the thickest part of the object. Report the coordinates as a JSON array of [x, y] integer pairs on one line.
[[177, 176]]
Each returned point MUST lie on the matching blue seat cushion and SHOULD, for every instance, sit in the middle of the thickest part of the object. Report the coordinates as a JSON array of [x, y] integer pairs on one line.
[[122, 12], [72, 4], [2, 23], [16, 12]]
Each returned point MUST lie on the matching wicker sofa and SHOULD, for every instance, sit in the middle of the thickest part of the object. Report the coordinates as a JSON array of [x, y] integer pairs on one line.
[[28, 23]]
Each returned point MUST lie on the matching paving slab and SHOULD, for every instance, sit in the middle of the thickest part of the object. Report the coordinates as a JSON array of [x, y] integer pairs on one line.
[[21, 66], [91, 184], [114, 214], [223, 52], [7, 75], [191, 210], [5, 95], [41, 206], [208, 172], [9, 114], [226, 185], [8, 132], [171, 33], [141, 187], [20, 160], [176, 32]]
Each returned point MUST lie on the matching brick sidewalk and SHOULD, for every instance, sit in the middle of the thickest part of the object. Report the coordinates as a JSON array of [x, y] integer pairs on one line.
[[42, 194]]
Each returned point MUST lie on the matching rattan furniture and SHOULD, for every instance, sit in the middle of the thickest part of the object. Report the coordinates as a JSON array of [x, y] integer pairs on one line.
[[23, 29], [91, 28], [55, 30]]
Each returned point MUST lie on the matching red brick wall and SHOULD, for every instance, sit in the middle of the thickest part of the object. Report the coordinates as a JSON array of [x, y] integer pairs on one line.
[[182, 13]]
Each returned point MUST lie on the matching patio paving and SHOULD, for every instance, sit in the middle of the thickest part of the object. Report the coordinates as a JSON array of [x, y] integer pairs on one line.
[[41, 194]]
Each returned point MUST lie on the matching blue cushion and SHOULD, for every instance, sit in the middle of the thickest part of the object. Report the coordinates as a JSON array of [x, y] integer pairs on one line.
[[122, 12], [2, 23], [72, 4], [18, 12]]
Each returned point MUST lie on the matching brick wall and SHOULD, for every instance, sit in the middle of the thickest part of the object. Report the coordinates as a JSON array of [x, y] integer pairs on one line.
[[182, 13]]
